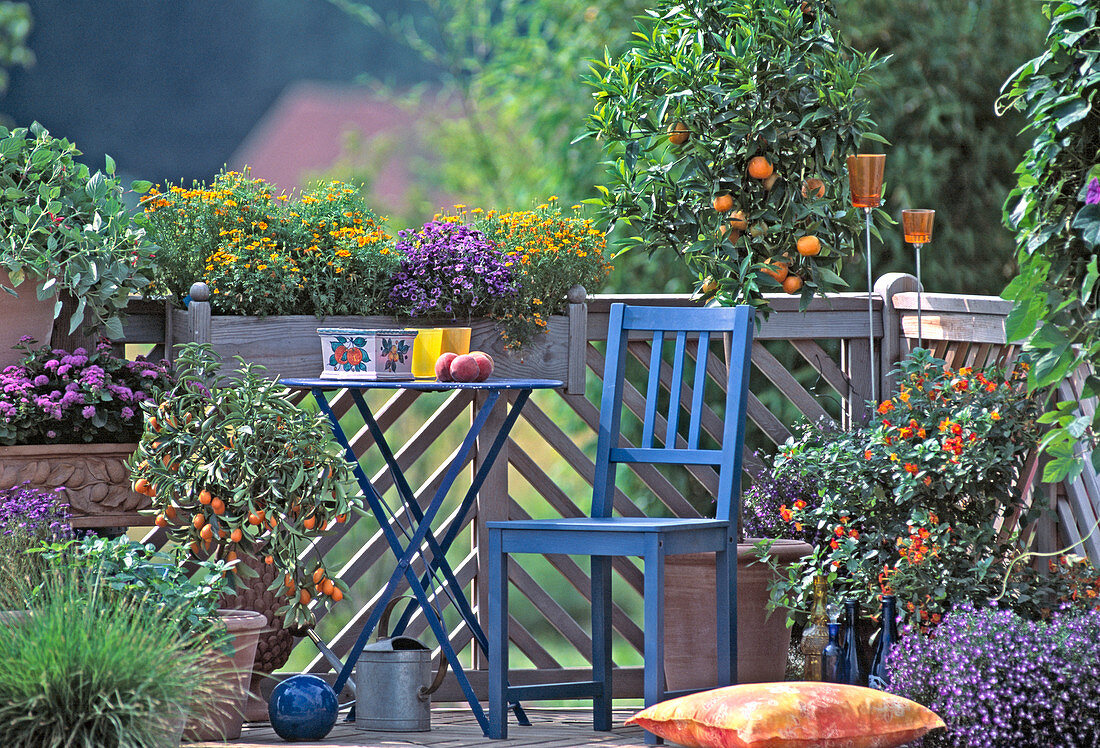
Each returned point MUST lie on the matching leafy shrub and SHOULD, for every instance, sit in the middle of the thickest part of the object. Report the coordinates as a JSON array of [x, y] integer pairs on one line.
[[1001, 681], [1057, 222], [910, 501], [69, 230], [262, 253], [239, 468], [88, 668], [706, 88], [55, 397]]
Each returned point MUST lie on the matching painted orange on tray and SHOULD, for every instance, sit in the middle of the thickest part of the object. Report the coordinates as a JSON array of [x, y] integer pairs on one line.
[[789, 715]]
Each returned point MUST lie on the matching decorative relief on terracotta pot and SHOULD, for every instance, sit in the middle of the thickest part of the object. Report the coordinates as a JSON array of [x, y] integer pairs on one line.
[[95, 476]]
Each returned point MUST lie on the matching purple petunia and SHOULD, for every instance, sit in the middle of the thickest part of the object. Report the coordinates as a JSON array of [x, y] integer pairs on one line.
[[1092, 194], [34, 513], [449, 270]]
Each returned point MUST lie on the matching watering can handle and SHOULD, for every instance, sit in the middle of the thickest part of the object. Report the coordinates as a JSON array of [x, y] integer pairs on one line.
[[384, 625]]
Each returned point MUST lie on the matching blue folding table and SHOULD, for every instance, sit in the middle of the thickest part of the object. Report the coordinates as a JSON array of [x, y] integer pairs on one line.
[[422, 532]]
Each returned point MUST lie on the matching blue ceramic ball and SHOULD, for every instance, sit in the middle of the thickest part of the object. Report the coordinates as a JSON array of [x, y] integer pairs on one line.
[[302, 707]]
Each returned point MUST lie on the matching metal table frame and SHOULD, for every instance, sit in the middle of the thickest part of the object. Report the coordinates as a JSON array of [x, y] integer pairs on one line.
[[422, 519]]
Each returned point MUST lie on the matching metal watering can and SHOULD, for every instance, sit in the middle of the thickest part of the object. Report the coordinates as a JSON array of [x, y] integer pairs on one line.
[[392, 691]]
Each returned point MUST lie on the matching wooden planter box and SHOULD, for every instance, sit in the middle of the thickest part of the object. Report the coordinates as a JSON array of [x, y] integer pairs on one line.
[[95, 478], [289, 347]]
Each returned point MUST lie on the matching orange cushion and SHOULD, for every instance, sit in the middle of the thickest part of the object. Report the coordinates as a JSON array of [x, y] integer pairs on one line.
[[788, 715]]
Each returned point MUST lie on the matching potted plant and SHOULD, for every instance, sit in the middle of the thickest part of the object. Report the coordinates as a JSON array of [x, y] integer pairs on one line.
[[92, 665], [67, 235], [243, 258], [727, 124], [69, 420], [913, 504], [190, 594], [234, 470], [768, 547]]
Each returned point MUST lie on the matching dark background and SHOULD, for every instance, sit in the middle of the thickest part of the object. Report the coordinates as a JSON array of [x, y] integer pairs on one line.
[[170, 89]]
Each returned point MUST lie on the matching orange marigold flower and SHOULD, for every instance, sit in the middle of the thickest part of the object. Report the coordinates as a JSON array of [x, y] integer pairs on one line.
[[928, 480], [905, 432], [995, 416], [945, 424], [956, 428], [839, 531], [800, 504], [853, 534], [834, 544], [921, 433], [885, 406], [911, 468], [867, 454]]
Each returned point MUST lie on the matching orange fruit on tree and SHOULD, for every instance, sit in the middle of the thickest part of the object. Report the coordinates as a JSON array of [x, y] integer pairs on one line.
[[808, 246], [141, 486], [777, 270], [723, 203], [738, 222], [269, 560], [254, 519], [236, 535], [231, 556], [205, 497], [160, 521], [318, 574], [218, 506], [792, 284], [770, 181], [327, 587], [288, 580], [337, 594], [760, 168], [678, 134], [710, 285], [813, 187], [341, 518], [198, 521], [170, 512], [310, 522], [304, 597], [207, 532], [153, 424]]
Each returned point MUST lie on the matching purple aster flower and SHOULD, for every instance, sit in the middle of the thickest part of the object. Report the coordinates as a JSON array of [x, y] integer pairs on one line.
[[1092, 196], [41, 380], [88, 411]]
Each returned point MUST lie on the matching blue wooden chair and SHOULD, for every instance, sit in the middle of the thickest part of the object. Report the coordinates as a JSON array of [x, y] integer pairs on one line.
[[602, 536]]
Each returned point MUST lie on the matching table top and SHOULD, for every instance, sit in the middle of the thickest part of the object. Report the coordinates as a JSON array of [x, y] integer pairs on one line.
[[422, 385]]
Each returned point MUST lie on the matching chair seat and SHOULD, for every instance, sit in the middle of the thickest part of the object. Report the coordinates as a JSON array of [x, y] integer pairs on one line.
[[627, 536], [610, 524]]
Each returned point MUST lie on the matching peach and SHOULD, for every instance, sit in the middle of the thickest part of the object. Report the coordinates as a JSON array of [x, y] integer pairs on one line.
[[484, 365], [443, 366], [465, 368]]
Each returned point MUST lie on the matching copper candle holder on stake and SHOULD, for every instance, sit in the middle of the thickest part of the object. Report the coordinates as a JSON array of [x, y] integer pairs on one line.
[[865, 182], [917, 225]]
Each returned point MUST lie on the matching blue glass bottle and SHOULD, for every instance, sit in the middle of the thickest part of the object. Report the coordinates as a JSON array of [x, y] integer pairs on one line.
[[830, 658], [853, 667], [879, 677]]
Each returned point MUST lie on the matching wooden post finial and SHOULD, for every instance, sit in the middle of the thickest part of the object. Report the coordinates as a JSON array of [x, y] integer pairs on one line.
[[576, 295], [199, 291]]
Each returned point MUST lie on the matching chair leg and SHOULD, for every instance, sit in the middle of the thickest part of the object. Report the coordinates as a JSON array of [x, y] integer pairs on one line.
[[601, 640], [498, 637], [654, 628], [726, 595]]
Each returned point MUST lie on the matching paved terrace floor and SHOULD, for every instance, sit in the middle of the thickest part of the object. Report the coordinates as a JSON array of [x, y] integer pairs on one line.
[[456, 728]]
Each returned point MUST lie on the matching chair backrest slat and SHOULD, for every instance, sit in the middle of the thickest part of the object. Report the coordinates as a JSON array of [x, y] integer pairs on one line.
[[702, 351], [652, 390], [673, 419], [733, 321]]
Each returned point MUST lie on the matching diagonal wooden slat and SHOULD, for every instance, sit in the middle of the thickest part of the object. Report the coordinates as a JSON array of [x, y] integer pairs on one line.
[[557, 616], [529, 645], [823, 364], [777, 374]]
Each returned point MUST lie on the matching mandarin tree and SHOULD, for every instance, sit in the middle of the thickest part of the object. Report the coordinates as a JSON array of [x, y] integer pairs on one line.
[[755, 99]]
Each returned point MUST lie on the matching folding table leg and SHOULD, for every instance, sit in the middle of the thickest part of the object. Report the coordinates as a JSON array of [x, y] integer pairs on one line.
[[498, 637], [601, 640]]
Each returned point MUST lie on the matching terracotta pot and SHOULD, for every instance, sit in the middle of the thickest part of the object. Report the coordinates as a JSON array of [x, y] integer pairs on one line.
[[223, 722], [25, 315], [95, 477], [690, 624]]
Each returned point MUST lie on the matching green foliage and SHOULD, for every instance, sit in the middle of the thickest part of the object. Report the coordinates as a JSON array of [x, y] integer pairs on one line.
[[261, 253], [88, 668], [188, 600], [1057, 220], [239, 468], [15, 27], [550, 251], [950, 151], [910, 502], [710, 87], [68, 230]]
